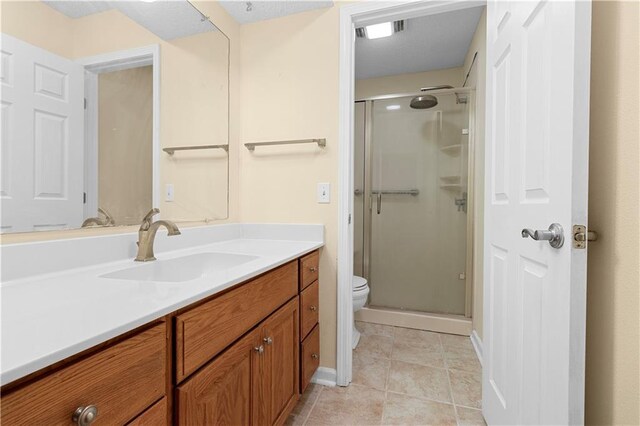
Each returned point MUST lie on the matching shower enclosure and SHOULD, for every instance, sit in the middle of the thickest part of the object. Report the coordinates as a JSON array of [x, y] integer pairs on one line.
[[412, 195]]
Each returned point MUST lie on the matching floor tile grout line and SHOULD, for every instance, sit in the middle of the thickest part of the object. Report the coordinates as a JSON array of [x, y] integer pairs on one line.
[[453, 399], [306, 419]]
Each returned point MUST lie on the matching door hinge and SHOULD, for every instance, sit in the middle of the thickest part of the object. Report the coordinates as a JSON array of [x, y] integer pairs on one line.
[[581, 236], [349, 219], [84, 198], [85, 103]]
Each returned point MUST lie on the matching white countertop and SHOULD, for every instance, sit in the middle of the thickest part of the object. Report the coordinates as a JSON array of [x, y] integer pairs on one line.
[[49, 317]]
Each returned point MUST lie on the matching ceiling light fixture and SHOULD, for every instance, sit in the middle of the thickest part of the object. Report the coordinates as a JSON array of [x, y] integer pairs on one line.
[[384, 29]]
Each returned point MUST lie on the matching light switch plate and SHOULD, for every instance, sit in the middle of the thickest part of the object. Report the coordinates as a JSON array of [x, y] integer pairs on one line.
[[324, 193], [168, 193]]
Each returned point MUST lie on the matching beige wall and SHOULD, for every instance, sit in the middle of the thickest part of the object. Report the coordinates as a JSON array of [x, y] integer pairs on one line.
[[613, 321], [289, 90], [125, 123], [408, 83], [476, 79]]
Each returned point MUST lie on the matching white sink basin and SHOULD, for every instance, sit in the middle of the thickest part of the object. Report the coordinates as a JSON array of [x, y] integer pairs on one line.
[[181, 269]]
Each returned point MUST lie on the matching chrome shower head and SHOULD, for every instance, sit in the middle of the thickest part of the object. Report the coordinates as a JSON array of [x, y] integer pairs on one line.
[[423, 102]]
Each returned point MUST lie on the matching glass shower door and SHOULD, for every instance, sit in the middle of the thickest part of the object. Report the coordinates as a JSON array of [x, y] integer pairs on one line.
[[418, 212]]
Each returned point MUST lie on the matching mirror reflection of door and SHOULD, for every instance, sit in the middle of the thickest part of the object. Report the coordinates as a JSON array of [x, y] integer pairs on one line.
[[125, 126]]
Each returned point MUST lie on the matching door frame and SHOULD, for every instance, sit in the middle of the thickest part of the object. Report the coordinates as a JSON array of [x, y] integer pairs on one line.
[[364, 13], [109, 62]]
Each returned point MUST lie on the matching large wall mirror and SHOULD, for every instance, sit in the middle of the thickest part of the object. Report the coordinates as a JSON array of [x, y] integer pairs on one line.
[[109, 109]]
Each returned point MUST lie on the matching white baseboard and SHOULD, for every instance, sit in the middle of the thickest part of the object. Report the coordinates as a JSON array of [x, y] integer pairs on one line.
[[325, 376], [477, 345]]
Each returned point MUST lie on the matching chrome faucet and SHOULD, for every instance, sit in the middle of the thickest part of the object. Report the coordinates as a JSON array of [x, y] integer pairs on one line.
[[147, 235]]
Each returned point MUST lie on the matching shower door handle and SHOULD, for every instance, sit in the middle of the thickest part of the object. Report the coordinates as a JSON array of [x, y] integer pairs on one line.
[[379, 202]]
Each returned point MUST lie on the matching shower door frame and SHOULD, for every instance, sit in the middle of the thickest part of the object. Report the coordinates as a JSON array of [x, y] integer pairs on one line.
[[366, 192], [361, 13]]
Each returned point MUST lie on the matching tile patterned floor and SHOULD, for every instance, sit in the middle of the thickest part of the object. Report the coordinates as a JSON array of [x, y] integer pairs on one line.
[[401, 376]]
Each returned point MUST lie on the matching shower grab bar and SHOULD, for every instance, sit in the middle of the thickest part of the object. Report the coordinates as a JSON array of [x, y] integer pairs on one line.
[[413, 192], [251, 146]]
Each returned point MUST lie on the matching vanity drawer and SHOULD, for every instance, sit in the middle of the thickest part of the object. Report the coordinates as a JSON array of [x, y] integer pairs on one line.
[[204, 331], [310, 354], [156, 415], [121, 381], [309, 306], [309, 269]]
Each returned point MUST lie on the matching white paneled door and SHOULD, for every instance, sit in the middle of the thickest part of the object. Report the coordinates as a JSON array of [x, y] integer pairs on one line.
[[42, 142], [538, 55]]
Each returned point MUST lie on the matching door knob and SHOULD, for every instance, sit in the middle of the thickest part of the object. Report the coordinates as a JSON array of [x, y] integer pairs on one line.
[[555, 235]]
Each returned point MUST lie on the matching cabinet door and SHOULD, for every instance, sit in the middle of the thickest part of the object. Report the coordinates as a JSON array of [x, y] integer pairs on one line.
[[280, 333], [224, 391]]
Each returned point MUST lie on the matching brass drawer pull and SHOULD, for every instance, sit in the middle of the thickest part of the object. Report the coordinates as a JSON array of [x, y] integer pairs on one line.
[[314, 356], [84, 416]]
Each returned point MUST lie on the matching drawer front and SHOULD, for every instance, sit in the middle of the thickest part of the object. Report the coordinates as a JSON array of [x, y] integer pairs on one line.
[[121, 381], [309, 269], [309, 306], [206, 330], [156, 415], [310, 355]]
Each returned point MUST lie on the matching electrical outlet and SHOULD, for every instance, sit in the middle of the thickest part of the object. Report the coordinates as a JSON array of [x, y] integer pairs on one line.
[[168, 193], [324, 193]]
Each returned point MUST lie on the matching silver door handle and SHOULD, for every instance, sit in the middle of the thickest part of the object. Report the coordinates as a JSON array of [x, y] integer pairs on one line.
[[379, 202], [555, 235]]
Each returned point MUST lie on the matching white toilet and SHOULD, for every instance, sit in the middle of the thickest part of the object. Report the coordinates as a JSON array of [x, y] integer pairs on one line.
[[360, 293]]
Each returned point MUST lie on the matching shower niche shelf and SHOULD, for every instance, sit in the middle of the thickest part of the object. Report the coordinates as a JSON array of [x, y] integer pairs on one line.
[[452, 179], [452, 149], [451, 186]]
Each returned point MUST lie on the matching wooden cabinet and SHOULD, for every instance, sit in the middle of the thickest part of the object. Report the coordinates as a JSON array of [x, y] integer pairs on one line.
[[309, 318], [226, 390], [309, 309], [204, 331], [309, 357], [255, 381], [120, 381], [281, 339], [241, 357], [309, 269]]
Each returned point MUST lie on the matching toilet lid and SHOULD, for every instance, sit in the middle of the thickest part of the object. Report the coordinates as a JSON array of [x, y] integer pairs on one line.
[[359, 282]]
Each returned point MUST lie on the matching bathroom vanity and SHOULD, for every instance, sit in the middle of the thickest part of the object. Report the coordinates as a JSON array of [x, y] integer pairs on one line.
[[239, 352]]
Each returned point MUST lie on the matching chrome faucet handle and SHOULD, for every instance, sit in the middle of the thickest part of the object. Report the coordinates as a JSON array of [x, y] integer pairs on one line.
[[146, 221]]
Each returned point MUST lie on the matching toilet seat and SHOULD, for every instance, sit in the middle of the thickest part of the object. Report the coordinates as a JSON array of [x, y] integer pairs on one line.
[[358, 282]]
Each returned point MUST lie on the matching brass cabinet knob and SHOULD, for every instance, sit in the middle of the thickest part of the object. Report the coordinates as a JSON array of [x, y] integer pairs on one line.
[[314, 356], [259, 349], [313, 269], [313, 308], [268, 340], [84, 416]]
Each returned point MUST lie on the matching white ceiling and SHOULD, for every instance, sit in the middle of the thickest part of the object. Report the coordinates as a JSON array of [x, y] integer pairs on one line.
[[166, 19], [427, 43], [263, 9]]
